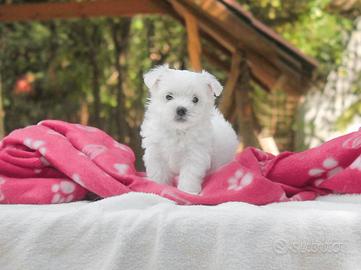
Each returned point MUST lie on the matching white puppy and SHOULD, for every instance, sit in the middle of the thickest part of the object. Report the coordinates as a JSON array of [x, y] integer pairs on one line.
[[183, 133]]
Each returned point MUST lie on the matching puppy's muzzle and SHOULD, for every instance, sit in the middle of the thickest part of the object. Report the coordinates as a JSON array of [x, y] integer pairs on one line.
[[181, 114], [181, 111]]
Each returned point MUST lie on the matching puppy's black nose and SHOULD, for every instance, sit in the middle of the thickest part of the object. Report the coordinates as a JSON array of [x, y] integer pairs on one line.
[[181, 111]]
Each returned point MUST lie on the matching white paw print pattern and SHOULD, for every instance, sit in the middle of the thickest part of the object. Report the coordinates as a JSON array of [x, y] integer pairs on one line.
[[94, 150], [53, 132], [283, 198], [295, 198], [86, 128], [121, 168], [329, 168], [121, 146], [63, 192], [239, 180], [44, 161], [35, 145], [352, 143], [76, 178], [2, 196], [356, 165]]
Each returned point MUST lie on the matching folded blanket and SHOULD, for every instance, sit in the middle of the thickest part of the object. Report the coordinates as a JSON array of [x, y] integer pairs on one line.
[[55, 162], [144, 231]]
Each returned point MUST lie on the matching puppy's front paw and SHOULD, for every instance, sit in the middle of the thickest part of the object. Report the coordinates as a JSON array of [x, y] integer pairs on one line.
[[193, 188]]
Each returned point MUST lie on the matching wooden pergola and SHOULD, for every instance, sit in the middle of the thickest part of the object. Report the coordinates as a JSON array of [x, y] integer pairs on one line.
[[236, 42]]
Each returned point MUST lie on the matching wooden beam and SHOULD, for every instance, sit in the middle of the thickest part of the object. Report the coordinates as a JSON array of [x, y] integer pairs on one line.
[[224, 39], [280, 82], [245, 32], [231, 24], [215, 13], [263, 71], [215, 60], [265, 78], [261, 68], [267, 81], [68, 10], [194, 41]]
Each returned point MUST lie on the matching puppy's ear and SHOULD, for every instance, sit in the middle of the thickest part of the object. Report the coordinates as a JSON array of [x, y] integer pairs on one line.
[[152, 77], [213, 84]]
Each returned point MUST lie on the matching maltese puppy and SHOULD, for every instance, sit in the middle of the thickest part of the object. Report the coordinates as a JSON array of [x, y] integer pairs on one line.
[[183, 134]]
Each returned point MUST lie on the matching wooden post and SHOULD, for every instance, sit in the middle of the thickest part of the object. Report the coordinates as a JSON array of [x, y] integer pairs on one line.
[[194, 42], [266, 136], [236, 103], [246, 121], [84, 112], [193, 36], [292, 104]]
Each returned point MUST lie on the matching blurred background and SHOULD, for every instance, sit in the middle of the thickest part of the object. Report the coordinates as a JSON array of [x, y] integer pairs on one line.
[[88, 69]]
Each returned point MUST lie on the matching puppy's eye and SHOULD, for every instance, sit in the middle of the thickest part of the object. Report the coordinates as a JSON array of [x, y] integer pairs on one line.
[[169, 97], [195, 100]]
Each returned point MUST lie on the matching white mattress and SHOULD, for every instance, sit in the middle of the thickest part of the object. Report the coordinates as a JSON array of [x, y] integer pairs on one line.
[[143, 231]]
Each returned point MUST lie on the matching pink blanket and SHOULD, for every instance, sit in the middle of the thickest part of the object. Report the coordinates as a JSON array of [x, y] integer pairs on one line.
[[56, 162]]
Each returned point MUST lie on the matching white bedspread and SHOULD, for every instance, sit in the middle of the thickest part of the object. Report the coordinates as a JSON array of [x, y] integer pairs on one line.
[[142, 231]]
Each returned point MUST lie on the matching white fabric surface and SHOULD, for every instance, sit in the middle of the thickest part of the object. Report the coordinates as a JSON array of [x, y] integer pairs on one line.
[[143, 231]]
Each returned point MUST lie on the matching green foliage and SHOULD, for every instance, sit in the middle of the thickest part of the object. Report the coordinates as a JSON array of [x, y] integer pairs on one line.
[[77, 70], [353, 110], [308, 25], [320, 34], [312, 28], [73, 65], [348, 115], [60, 55]]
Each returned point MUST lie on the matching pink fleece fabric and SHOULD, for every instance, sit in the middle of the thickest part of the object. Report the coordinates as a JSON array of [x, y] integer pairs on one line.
[[57, 162]]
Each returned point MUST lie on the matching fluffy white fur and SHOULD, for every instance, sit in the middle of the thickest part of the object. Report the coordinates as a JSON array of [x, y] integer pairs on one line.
[[189, 145]]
